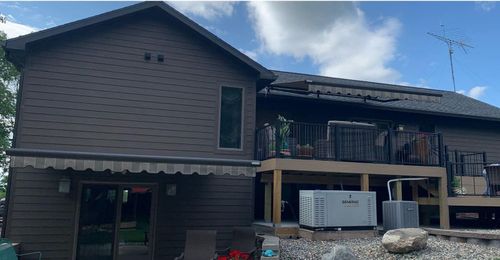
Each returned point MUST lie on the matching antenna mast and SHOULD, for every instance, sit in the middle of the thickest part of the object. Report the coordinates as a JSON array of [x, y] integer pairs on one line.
[[450, 43]]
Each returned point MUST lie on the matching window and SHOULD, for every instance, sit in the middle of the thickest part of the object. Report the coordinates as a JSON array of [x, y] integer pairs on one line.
[[231, 117]]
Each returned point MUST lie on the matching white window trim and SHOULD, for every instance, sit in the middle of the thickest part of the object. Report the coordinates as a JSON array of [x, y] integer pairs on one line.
[[242, 118]]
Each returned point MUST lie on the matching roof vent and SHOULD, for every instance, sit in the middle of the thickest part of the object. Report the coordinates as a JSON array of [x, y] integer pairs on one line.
[[161, 58]]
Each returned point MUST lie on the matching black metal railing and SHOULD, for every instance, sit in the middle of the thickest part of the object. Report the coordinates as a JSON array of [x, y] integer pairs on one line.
[[473, 179], [357, 143], [469, 163]]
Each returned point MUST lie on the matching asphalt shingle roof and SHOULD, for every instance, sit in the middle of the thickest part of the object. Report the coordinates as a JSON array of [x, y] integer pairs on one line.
[[451, 103]]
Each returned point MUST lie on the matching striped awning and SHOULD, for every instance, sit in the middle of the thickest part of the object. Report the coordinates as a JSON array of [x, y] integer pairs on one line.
[[155, 165]]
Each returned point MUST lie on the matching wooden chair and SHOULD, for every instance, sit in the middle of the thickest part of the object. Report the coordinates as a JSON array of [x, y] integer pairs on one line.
[[200, 245], [244, 240], [7, 251]]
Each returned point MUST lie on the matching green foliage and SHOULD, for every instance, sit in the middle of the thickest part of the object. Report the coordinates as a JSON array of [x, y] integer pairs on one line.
[[284, 129], [9, 78]]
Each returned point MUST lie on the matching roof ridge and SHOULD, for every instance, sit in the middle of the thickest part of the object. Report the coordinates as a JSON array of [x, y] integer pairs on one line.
[[364, 81]]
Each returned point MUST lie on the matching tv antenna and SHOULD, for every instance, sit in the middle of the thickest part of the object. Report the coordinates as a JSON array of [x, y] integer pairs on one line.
[[451, 43]]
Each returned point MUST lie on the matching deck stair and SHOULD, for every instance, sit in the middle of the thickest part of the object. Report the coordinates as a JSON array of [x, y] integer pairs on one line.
[[431, 192], [472, 237], [271, 243]]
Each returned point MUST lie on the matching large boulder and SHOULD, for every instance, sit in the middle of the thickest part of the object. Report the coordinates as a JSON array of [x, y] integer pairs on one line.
[[339, 253], [405, 240]]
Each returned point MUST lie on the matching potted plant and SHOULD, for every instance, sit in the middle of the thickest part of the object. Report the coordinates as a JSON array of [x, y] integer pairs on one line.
[[456, 185], [305, 150], [284, 135]]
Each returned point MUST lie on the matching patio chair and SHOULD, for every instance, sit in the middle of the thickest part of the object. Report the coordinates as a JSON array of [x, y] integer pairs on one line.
[[491, 174], [200, 245], [244, 240], [7, 251]]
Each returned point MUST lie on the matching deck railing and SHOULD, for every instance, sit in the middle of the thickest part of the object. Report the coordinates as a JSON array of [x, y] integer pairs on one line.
[[355, 143], [470, 174], [473, 179]]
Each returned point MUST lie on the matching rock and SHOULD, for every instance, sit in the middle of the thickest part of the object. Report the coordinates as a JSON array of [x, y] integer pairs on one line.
[[339, 253], [405, 240]]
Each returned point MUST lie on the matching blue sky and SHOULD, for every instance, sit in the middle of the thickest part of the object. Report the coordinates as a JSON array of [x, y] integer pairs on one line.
[[377, 41]]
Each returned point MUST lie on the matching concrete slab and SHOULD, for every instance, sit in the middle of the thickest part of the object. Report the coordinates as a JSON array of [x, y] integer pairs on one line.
[[283, 230], [272, 243], [336, 235]]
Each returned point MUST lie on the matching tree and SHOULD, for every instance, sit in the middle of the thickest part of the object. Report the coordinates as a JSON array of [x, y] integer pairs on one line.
[[9, 78]]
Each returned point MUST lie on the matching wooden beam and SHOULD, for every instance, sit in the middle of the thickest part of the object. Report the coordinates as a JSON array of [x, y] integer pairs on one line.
[[365, 182], [474, 201], [268, 201], [350, 167], [277, 174], [427, 201], [444, 213], [352, 180]]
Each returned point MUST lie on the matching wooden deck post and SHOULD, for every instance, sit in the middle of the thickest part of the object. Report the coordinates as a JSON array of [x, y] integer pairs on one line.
[[399, 190], [268, 201], [414, 190], [365, 182], [444, 214], [277, 197]]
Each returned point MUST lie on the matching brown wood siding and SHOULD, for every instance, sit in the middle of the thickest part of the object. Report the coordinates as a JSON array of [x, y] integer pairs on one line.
[[43, 219], [39, 216], [217, 203], [473, 137], [93, 91]]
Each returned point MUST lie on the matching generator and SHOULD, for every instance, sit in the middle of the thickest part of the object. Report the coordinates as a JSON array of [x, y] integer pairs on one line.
[[331, 209]]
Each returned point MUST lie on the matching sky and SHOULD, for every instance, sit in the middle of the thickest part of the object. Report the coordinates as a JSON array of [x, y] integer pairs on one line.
[[374, 41]]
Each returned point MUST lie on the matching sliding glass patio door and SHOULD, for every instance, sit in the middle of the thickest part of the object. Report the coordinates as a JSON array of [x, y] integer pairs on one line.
[[115, 222], [135, 223], [96, 230]]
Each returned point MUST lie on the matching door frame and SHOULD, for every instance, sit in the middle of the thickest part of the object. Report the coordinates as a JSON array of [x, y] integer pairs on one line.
[[119, 185]]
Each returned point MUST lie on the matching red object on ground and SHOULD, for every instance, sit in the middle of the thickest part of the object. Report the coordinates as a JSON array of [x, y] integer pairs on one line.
[[238, 255]]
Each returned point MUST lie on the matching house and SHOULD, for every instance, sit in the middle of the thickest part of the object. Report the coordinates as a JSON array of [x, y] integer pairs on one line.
[[442, 136], [138, 124]]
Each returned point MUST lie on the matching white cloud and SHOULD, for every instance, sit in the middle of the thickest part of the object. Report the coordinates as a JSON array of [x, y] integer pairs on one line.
[[207, 10], [13, 29], [335, 35], [475, 92], [485, 5]]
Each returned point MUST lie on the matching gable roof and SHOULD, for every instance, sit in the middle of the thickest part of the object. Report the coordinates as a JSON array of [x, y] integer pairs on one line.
[[18, 44], [449, 104]]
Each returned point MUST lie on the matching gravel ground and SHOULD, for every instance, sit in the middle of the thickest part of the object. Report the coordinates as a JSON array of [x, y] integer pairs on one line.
[[371, 248]]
